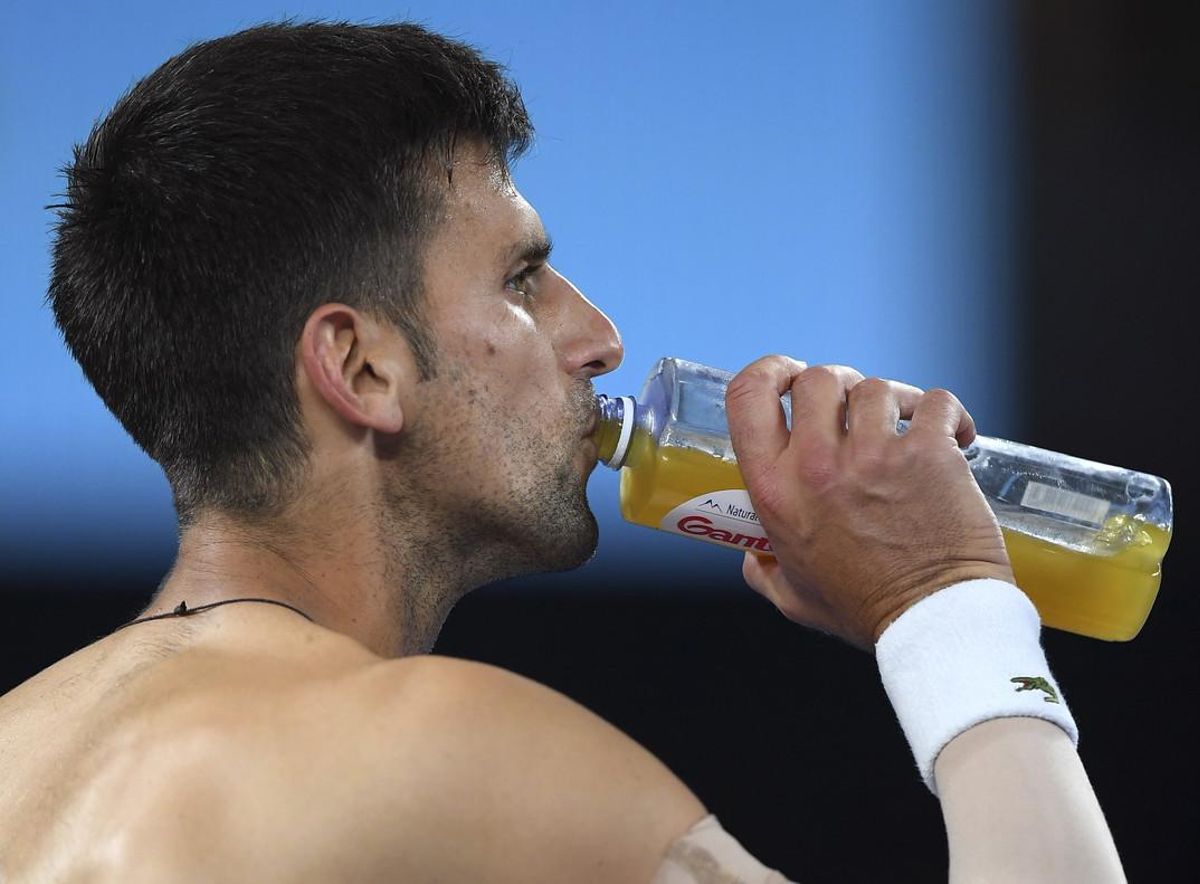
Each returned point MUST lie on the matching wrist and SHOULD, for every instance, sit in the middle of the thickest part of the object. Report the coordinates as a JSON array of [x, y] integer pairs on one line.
[[944, 579], [963, 655]]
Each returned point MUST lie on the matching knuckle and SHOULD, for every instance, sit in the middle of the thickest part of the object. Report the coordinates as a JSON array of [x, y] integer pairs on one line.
[[780, 362], [901, 387], [815, 375], [848, 372], [818, 473], [830, 375], [872, 388], [943, 396], [760, 372], [771, 366]]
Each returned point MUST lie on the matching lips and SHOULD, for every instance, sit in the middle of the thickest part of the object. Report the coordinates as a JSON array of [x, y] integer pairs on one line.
[[591, 420], [584, 397]]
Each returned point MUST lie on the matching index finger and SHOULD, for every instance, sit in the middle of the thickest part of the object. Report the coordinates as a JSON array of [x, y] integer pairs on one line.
[[757, 424]]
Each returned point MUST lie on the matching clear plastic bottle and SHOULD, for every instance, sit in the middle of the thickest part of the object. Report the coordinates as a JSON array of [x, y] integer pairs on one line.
[[1086, 541]]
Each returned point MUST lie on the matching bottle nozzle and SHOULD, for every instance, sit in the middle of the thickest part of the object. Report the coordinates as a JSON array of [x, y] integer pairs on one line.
[[615, 419]]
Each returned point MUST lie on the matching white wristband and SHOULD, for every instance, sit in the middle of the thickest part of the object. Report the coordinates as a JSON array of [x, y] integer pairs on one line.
[[966, 654]]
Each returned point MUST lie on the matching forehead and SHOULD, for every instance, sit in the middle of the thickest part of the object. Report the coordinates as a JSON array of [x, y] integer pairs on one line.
[[483, 207]]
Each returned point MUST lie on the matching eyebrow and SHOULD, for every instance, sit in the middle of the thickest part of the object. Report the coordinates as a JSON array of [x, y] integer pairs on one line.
[[534, 249]]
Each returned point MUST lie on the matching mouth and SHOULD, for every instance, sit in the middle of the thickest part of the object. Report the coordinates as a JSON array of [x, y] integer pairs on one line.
[[590, 417]]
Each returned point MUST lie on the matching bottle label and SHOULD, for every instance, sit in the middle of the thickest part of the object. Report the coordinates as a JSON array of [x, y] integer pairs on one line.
[[1068, 504], [726, 518]]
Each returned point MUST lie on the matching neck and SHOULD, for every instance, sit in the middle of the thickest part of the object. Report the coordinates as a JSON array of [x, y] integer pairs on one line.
[[374, 589]]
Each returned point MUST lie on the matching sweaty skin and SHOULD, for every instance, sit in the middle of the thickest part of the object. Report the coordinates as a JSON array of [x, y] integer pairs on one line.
[[246, 743]]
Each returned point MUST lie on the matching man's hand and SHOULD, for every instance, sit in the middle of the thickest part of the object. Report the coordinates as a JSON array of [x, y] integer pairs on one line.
[[864, 522]]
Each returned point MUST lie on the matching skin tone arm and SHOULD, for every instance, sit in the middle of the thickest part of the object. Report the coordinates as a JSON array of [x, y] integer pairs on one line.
[[1018, 806], [864, 524]]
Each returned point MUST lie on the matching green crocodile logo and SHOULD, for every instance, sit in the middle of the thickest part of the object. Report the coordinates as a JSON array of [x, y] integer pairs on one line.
[[1036, 683]]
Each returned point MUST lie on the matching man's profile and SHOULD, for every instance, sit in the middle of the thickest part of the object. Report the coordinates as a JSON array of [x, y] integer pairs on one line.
[[294, 263]]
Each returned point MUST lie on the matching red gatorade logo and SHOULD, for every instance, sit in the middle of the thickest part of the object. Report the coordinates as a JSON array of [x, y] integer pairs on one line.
[[699, 526]]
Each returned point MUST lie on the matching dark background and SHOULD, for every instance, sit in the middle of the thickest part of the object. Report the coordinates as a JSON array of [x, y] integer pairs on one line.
[[787, 736]]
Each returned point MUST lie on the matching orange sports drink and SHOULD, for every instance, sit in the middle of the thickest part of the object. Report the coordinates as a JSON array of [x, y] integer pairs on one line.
[[1086, 541]]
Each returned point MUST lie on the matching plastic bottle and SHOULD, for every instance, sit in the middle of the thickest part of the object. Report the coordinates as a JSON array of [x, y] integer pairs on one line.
[[1086, 541]]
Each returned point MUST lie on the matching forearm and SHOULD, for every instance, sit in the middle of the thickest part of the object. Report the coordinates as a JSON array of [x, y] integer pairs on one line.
[[1019, 807], [994, 739]]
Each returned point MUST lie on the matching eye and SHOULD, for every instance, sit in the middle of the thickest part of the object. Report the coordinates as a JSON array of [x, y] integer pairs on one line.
[[522, 283]]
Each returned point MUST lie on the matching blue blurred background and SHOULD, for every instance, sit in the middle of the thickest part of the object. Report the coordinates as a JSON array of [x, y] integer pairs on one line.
[[997, 197], [829, 180]]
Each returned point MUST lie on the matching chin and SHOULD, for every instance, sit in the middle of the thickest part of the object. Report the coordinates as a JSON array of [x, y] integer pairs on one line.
[[552, 528], [570, 545]]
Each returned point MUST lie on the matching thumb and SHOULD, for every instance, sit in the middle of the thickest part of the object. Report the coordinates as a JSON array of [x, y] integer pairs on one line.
[[754, 571]]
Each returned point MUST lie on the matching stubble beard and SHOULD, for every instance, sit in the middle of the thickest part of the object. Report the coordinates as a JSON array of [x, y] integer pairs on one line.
[[544, 523], [567, 531], [537, 521], [547, 526]]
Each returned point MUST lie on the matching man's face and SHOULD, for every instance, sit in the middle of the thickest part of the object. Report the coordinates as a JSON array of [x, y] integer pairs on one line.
[[503, 428]]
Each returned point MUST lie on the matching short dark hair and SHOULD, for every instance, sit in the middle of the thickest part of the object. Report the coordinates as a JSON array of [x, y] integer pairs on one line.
[[246, 181]]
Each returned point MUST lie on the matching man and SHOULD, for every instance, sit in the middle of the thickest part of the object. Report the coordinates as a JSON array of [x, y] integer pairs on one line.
[[294, 265]]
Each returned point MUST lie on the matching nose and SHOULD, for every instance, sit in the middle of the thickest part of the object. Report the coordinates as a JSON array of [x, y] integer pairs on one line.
[[590, 343]]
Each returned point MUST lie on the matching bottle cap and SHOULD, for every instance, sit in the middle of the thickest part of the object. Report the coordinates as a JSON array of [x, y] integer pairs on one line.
[[628, 415]]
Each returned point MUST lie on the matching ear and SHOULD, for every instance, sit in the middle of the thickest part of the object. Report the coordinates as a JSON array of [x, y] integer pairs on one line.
[[358, 365]]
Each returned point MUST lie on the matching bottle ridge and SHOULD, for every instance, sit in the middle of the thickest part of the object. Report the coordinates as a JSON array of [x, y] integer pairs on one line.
[[1085, 540]]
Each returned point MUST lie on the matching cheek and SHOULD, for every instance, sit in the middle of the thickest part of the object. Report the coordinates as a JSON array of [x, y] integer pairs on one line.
[[519, 366]]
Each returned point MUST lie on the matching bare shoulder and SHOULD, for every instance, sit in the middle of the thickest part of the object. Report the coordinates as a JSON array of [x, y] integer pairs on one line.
[[509, 777], [419, 769], [477, 711], [336, 765]]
